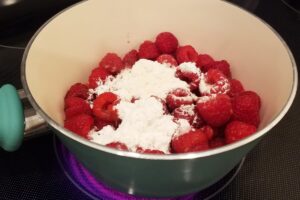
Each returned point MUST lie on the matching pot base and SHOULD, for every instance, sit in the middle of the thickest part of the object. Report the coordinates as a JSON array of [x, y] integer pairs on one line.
[[96, 190]]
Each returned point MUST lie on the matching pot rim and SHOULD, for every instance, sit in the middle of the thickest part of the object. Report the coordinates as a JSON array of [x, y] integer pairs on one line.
[[181, 156]]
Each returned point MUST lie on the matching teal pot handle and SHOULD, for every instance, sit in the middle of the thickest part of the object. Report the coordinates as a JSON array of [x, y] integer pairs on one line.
[[11, 118], [18, 120]]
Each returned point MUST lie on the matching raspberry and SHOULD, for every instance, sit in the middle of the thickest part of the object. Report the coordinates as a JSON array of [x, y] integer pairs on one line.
[[167, 59], [178, 97], [117, 145], [197, 122], [208, 131], [236, 87], [215, 110], [74, 101], [148, 151], [222, 65], [217, 142], [191, 78], [80, 124], [186, 54], [130, 58], [104, 107], [203, 60], [112, 63], [148, 50], [190, 142], [219, 82], [78, 90], [237, 130], [166, 42], [98, 74], [214, 76], [75, 106], [185, 112], [246, 106]]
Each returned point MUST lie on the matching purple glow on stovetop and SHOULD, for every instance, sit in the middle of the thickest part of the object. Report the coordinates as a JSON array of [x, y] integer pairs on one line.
[[93, 187], [96, 190]]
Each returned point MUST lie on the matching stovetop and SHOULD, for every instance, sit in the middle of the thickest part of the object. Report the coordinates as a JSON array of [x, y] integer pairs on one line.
[[271, 170]]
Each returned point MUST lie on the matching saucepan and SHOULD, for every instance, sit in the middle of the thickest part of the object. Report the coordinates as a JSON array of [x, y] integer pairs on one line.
[[66, 48]]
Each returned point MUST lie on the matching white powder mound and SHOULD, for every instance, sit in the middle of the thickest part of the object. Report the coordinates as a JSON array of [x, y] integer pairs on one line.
[[189, 67], [184, 127], [145, 78], [144, 124]]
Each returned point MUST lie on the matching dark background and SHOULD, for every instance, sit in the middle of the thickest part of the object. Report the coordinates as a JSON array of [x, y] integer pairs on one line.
[[271, 169]]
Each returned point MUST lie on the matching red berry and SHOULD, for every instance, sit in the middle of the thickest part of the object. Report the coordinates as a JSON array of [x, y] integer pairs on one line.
[[74, 101], [237, 130], [98, 74], [218, 81], [217, 142], [215, 110], [75, 106], [190, 142], [167, 59], [236, 87], [190, 77], [185, 112], [78, 90], [197, 122], [208, 131], [186, 54], [104, 107], [214, 76], [117, 145], [148, 151], [222, 65], [203, 60], [246, 106], [166, 42], [148, 50], [112, 63], [178, 97], [80, 124], [130, 58]]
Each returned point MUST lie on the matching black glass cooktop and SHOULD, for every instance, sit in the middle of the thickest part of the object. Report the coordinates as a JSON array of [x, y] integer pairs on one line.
[[270, 171]]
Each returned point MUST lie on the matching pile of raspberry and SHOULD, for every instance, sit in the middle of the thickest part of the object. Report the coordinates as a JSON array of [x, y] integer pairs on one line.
[[219, 114]]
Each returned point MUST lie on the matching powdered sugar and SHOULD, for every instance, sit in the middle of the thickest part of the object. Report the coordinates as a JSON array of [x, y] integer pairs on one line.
[[184, 127], [188, 109], [185, 98], [204, 99], [145, 78], [189, 67], [144, 124], [204, 87]]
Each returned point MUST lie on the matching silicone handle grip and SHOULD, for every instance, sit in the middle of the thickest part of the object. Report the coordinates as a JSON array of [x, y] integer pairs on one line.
[[11, 118]]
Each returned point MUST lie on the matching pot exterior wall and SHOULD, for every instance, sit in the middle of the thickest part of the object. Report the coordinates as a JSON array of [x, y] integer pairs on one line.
[[156, 178]]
